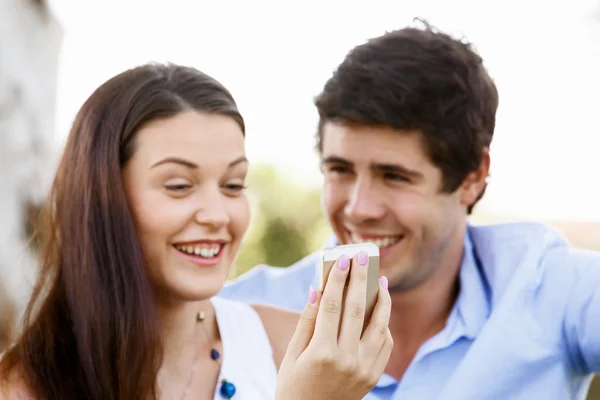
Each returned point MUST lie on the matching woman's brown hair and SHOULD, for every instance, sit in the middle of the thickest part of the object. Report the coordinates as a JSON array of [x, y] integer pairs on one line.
[[90, 330]]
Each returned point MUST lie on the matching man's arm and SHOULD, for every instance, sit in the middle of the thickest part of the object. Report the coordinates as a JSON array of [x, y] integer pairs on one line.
[[281, 287], [280, 326]]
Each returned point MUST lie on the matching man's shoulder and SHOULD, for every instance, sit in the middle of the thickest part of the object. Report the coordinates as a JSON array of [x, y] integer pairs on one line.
[[279, 286], [514, 242], [572, 261], [533, 255], [538, 243], [523, 232]]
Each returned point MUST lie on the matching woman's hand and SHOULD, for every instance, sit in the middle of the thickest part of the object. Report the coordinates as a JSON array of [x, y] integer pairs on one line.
[[327, 358]]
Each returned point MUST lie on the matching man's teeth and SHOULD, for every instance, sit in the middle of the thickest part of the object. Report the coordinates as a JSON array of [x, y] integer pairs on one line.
[[202, 250], [380, 242]]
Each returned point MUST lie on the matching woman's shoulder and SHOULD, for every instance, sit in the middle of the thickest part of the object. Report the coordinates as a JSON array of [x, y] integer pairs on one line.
[[15, 394], [280, 325], [14, 388]]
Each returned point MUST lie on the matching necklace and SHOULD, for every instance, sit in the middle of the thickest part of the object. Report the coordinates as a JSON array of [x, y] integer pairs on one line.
[[192, 370], [227, 389]]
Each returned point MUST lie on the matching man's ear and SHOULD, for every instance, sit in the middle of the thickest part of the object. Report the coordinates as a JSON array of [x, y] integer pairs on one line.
[[475, 183]]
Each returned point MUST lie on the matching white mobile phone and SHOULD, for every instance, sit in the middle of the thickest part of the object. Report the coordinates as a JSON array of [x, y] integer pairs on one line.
[[332, 254]]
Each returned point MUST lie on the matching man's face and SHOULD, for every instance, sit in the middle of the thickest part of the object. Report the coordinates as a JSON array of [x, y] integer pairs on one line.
[[381, 187]]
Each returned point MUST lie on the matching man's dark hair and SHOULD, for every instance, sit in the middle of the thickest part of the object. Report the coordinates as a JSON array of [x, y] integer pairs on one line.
[[423, 80]]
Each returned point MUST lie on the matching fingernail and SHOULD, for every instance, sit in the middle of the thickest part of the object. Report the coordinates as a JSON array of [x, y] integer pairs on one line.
[[363, 258], [312, 295], [343, 263], [384, 282]]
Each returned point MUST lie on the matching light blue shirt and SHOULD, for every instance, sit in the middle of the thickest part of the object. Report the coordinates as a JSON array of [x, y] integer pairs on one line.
[[525, 325]]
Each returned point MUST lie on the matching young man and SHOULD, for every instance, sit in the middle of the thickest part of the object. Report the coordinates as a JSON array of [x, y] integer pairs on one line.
[[498, 312]]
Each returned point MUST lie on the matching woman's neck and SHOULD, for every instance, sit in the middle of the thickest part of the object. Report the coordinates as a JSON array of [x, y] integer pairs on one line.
[[183, 338]]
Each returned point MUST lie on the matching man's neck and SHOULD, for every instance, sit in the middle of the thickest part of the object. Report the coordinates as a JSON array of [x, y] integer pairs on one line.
[[422, 312]]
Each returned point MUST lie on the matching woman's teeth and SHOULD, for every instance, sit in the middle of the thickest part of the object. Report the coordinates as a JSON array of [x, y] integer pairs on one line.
[[202, 250], [381, 242]]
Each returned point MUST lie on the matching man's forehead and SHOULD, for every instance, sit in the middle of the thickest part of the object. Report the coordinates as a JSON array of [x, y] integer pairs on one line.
[[372, 145]]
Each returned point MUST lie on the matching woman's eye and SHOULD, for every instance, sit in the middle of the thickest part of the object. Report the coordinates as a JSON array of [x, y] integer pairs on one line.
[[235, 187], [177, 186]]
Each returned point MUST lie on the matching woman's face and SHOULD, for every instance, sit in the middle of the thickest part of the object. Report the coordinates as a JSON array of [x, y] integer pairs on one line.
[[185, 188]]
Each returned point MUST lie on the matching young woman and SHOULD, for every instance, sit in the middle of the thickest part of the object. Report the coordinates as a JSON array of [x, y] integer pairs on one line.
[[146, 215]]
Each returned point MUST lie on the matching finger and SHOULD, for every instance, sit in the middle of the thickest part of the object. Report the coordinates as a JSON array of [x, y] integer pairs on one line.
[[377, 329], [328, 317], [353, 316], [378, 367], [306, 326]]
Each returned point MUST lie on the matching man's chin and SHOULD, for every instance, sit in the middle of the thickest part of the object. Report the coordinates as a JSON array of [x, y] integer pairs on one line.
[[405, 278]]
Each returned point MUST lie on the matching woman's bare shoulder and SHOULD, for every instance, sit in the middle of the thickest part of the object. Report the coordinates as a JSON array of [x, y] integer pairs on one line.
[[13, 387], [280, 325]]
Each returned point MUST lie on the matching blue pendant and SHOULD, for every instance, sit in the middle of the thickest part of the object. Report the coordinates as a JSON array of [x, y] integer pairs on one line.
[[214, 354], [227, 389]]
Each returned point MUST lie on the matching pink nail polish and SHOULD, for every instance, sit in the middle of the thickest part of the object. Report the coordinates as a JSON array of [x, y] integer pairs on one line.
[[312, 295], [343, 263], [363, 258], [384, 282]]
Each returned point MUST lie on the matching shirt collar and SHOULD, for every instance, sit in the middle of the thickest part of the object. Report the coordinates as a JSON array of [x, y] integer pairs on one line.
[[473, 303]]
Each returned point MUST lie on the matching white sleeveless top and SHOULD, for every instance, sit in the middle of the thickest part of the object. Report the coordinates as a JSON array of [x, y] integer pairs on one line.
[[247, 359]]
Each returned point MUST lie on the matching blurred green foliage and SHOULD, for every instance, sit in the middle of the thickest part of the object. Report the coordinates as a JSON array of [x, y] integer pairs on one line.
[[287, 221]]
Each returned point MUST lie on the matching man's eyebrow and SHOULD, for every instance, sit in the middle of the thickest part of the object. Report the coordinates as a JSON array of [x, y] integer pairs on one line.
[[335, 160], [390, 168], [397, 169]]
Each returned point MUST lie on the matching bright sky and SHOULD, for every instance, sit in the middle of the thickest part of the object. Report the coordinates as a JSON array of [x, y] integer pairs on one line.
[[275, 56]]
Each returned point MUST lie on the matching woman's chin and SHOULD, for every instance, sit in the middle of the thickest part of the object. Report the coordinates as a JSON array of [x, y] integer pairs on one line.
[[188, 292], [198, 294]]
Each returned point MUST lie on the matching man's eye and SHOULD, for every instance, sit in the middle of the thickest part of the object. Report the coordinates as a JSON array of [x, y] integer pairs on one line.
[[395, 177], [338, 169]]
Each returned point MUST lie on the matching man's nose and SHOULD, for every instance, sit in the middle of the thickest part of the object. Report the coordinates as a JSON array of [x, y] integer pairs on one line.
[[365, 202]]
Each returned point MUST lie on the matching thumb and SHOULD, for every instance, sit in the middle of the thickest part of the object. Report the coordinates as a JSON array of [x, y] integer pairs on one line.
[[306, 326]]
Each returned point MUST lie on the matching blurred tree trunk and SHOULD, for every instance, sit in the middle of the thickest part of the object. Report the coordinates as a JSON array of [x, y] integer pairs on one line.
[[30, 39]]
